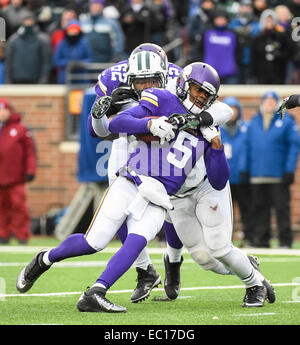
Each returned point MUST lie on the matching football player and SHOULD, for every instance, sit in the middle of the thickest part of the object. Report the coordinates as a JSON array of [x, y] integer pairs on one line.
[[290, 102], [212, 239], [139, 77], [140, 194]]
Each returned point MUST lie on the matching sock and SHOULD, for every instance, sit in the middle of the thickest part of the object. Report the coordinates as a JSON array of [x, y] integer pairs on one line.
[[174, 254], [239, 264], [171, 236], [74, 245], [123, 232], [143, 260], [122, 260]]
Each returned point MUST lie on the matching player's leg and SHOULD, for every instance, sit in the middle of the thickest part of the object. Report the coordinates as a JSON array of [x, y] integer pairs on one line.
[[106, 221], [214, 211], [94, 299]]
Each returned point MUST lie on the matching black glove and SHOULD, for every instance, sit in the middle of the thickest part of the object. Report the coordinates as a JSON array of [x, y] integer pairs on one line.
[[110, 105], [290, 102], [29, 177], [120, 96], [191, 120], [293, 101], [244, 177], [288, 178]]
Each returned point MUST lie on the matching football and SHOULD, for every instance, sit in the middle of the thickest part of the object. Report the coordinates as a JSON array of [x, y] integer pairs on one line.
[[147, 137]]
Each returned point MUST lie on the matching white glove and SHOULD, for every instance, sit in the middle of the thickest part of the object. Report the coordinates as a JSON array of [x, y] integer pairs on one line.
[[209, 133], [162, 129]]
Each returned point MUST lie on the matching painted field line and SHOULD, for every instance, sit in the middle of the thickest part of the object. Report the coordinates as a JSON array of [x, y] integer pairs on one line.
[[225, 287], [160, 250], [256, 314], [100, 263]]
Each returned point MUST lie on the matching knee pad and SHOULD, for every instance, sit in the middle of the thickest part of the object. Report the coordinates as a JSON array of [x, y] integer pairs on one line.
[[216, 229], [201, 257]]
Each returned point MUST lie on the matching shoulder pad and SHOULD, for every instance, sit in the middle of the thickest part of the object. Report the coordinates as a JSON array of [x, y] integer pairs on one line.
[[111, 78]]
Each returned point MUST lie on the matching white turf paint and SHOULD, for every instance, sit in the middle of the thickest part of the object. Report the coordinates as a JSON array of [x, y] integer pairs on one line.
[[100, 263], [256, 251], [130, 290]]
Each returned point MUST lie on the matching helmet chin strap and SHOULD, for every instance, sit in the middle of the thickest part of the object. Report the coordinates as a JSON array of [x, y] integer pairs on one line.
[[192, 107]]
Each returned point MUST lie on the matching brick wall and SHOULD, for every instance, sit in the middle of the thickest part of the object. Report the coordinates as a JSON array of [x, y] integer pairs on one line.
[[43, 109]]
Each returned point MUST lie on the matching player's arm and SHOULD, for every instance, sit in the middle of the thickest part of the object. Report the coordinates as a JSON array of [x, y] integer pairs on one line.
[[217, 168]]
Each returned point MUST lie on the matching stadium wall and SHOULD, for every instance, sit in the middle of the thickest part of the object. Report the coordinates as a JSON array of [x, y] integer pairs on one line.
[[43, 109]]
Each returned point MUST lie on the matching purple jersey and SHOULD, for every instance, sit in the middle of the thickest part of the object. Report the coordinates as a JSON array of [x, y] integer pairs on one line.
[[169, 163], [112, 77]]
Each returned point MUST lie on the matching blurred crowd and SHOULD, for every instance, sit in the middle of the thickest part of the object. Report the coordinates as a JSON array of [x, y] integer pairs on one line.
[[258, 39]]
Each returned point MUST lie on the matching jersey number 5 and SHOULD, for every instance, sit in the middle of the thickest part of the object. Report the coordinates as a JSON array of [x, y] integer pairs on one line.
[[179, 145]]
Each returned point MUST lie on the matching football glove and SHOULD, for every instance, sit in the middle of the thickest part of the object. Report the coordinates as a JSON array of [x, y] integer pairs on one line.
[[290, 102], [190, 120], [162, 128], [209, 133]]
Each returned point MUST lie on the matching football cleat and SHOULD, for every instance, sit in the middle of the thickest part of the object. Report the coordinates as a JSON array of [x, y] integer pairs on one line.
[[172, 277], [94, 300], [31, 272], [147, 280], [271, 296], [255, 296]]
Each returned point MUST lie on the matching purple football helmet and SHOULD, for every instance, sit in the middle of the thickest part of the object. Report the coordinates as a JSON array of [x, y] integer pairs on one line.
[[203, 75]]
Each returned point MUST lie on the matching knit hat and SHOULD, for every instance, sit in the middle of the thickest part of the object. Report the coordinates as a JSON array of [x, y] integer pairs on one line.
[[270, 94], [101, 2], [73, 26], [4, 104]]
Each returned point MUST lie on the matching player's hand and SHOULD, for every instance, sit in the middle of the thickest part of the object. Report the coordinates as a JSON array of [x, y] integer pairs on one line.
[[209, 133], [101, 107], [123, 95], [290, 102], [162, 128]]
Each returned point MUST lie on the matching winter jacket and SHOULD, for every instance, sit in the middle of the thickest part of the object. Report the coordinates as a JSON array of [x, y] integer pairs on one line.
[[105, 37], [221, 43], [272, 152], [28, 57], [17, 152], [66, 52], [233, 140]]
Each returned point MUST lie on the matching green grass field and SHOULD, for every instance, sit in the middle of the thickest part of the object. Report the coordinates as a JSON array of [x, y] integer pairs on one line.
[[205, 298]]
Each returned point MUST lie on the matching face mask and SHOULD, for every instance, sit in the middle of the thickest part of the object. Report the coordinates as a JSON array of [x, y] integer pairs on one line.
[[28, 30], [73, 39], [220, 28]]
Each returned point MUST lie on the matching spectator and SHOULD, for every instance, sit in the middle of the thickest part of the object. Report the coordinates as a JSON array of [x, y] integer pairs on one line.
[[198, 24], [270, 158], [74, 47], [17, 166], [2, 66], [294, 6], [233, 135], [219, 41], [136, 23], [57, 29], [258, 7], [160, 19], [4, 3], [13, 15], [28, 55], [105, 35], [246, 28], [270, 51]]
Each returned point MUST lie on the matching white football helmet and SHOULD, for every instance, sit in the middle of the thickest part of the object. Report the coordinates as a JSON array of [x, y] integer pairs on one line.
[[146, 64]]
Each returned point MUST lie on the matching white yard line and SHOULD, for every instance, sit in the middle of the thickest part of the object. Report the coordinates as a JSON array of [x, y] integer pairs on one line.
[[256, 251], [130, 290]]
